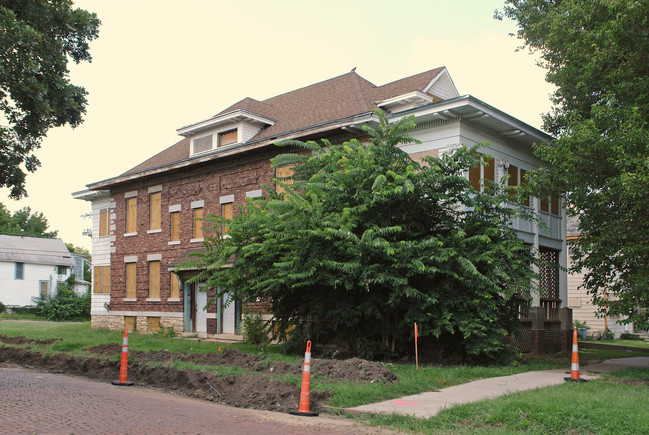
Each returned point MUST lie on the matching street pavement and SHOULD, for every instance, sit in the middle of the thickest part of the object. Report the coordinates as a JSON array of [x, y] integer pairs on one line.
[[426, 405], [33, 402]]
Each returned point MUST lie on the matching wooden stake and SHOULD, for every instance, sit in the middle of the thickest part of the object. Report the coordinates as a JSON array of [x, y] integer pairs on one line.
[[416, 348]]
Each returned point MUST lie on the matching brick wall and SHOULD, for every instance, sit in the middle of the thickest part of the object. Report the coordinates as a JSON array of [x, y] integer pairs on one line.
[[209, 186]]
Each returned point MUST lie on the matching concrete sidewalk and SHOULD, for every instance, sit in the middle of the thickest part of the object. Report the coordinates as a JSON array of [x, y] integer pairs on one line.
[[428, 404]]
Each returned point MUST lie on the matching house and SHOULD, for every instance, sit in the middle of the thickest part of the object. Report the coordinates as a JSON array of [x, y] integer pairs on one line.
[[581, 302], [31, 267], [144, 220]]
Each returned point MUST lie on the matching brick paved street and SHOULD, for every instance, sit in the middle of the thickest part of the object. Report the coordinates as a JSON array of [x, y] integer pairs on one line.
[[34, 402]]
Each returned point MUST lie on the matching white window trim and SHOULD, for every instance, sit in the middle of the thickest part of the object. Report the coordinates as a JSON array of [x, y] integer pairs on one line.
[[129, 259], [154, 257], [130, 234], [155, 189], [153, 299], [159, 230], [253, 194], [129, 299], [174, 208], [130, 194], [198, 204], [174, 242], [173, 299], [196, 240], [226, 199]]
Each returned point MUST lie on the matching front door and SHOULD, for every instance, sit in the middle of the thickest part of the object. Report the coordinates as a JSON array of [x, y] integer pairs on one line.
[[229, 314], [201, 309]]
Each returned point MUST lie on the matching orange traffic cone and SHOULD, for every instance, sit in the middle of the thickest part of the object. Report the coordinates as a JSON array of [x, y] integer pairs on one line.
[[124, 365], [306, 386], [574, 371]]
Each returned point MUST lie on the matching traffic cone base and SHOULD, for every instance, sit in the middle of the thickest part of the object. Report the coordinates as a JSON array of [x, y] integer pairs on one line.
[[123, 384], [303, 410]]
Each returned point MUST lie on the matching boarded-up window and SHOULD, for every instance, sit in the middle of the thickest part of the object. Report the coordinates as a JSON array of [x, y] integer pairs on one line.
[[130, 280], [103, 222], [130, 323], [198, 223], [175, 286], [554, 204], [203, 143], [154, 211], [102, 279], [154, 279], [228, 137], [153, 324], [131, 215], [480, 171], [284, 173], [175, 226], [43, 289], [227, 213]]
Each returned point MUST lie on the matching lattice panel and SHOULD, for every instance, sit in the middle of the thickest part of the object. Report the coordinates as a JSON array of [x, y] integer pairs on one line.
[[523, 340], [553, 337], [549, 273]]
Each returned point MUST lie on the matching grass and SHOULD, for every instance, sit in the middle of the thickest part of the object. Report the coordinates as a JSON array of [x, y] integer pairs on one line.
[[611, 405], [571, 408], [629, 343]]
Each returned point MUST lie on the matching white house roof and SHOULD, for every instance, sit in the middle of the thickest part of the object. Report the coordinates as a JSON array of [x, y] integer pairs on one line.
[[35, 250]]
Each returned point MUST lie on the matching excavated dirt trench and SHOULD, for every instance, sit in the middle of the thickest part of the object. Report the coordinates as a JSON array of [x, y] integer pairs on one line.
[[256, 390]]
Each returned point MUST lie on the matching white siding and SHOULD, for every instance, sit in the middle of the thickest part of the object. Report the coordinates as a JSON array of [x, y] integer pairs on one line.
[[101, 250], [248, 131], [21, 292], [583, 309]]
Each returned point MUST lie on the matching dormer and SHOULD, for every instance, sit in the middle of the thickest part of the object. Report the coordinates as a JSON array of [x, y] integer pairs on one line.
[[441, 87], [224, 131]]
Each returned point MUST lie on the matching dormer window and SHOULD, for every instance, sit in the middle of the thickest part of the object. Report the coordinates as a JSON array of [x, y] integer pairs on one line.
[[203, 143], [228, 138]]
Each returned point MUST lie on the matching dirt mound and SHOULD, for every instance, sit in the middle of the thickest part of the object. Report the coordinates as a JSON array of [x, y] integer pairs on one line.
[[25, 340], [354, 369], [106, 349]]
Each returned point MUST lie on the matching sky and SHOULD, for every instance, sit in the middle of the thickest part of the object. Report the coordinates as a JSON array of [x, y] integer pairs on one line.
[[161, 65]]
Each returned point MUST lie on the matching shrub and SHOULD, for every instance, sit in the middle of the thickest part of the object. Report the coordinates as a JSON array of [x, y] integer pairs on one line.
[[3, 308], [627, 336], [608, 335], [254, 329], [65, 304]]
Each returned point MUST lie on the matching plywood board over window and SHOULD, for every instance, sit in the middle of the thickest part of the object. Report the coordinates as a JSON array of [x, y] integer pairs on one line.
[[103, 222], [228, 137], [227, 213], [102, 279], [198, 223], [175, 226], [284, 173], [175, 286], [153, 324], [131, 215], [154, 210], [154, 279], [130, 280]]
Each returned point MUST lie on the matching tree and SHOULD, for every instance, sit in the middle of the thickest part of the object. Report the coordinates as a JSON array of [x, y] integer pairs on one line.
[[24, 222], [366, 242], [87, 272], [37, 38], [596, 53]]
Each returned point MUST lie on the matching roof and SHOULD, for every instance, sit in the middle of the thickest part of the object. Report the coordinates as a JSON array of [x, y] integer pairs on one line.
[[341, 97], [35, 250]]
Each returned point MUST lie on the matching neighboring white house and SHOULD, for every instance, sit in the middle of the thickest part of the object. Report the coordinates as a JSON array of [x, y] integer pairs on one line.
[[31, 267], [581, 301]]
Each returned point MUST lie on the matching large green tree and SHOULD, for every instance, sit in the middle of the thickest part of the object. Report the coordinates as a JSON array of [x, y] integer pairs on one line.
[[24, 222], [37, 39], [367, 241], [597, 54]]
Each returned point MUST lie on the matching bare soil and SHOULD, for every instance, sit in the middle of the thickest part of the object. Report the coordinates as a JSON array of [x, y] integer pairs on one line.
[[259, 389]]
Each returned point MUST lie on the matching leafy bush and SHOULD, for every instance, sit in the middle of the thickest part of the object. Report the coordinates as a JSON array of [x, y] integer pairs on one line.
[[580, 324], [608, 335], [254, 329], [165, 332], [627, 336], [3, 308], [65, 304]]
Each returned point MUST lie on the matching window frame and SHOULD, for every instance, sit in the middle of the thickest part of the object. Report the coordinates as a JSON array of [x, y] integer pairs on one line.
[[155, 211], [104, 222], [131, 215], [19, 270], [154, 279], [131, 289]]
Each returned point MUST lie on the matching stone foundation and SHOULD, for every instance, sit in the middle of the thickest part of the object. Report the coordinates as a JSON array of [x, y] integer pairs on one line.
[[116, 323]]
